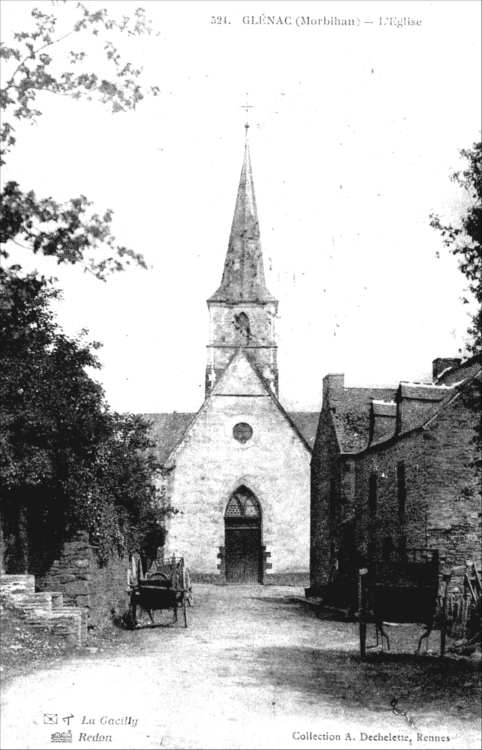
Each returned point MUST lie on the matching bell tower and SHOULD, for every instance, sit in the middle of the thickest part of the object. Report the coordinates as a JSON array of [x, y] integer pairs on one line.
[[242, 312]]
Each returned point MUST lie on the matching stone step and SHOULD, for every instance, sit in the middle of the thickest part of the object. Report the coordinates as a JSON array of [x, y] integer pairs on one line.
[[57, 600], [38, 603], [70, 624], [16, 584], [44, 610]]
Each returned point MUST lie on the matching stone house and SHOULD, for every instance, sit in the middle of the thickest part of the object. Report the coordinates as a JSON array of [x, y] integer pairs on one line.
[[395, 468], [238, 471]]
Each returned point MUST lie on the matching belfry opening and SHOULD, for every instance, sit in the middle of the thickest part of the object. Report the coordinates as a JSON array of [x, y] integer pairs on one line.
[[242, 526]]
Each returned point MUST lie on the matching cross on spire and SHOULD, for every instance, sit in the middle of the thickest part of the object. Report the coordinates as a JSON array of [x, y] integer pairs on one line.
[[246, 107]]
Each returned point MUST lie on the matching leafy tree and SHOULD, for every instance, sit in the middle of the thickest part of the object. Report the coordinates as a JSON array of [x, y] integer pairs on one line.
[[464, 239], [68, 231], [66, 460]]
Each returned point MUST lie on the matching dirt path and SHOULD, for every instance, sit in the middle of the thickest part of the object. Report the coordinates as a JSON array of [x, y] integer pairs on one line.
[[255, 669]]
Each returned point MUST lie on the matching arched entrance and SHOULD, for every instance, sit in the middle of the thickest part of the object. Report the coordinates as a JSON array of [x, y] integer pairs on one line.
[[242, 524]]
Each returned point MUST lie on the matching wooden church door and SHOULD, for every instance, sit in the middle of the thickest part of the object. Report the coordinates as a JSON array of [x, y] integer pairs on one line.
[[242, 523]]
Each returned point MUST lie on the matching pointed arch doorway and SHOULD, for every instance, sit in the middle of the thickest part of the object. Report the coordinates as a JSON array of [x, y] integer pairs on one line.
[[242, 525]]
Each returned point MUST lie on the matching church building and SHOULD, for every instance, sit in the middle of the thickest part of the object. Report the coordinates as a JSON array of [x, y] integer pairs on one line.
[[238, 471]]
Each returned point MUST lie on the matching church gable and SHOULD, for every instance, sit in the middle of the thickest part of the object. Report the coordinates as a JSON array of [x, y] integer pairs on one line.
[[244, 440], [240, 379], [241, 389]]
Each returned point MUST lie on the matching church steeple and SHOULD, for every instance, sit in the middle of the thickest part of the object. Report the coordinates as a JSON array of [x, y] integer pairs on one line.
[[242, 310], [243, 276]]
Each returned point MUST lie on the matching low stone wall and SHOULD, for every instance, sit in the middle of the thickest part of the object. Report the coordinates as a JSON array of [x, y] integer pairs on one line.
[[270, 579], [208, 578], [16, 584], [42, 610], [287, 579], [85, 583]]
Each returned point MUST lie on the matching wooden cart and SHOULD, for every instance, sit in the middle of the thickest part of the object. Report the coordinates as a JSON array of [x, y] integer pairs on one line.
[[167, 585], [401, 589]]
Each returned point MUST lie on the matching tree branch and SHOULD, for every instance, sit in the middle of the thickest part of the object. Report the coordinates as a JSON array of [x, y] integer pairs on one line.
[[32, 55]]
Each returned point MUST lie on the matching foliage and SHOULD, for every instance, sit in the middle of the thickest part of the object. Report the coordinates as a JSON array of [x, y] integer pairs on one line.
[[465, 238], [67, 231], [66, 460], [124, 500], [35, 70]]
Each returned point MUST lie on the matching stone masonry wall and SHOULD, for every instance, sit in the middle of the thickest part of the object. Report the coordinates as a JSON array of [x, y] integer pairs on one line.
[[84, 583], [225, 338], [324, 474], [442, 503], [42, 610], [442, 506], [210, 465]]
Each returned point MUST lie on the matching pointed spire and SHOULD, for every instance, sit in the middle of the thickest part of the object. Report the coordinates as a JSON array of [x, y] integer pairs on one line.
[[243, 276]]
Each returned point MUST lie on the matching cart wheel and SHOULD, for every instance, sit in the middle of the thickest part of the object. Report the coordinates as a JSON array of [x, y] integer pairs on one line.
[[184, 609]]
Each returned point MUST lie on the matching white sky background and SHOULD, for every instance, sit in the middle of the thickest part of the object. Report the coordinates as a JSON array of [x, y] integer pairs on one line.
[[354, 132]]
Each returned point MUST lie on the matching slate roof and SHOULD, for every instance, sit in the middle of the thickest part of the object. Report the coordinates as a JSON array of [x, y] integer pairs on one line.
[[352, 415], [350, 407], [420, 392], [243, 276], [384, 408], [307, 423], [473, 377], [465, 369], [167, 430]]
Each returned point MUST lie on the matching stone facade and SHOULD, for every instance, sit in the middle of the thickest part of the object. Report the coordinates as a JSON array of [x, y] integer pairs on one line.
[[238, 471], [211, 464], [343, 431], [85, 583], [414, 482]]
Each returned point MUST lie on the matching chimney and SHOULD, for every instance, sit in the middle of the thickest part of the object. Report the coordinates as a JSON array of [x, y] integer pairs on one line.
[[441, 364], [333, 385]]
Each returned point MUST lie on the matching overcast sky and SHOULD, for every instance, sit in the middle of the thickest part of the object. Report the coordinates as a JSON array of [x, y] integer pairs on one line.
[[354, 131]]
